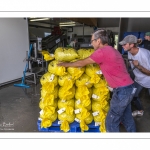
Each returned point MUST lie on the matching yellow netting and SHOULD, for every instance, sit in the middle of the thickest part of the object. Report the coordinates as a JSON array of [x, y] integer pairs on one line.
[[102, 83], [101, 94], [84, 53], [47, 112], [48, 93], [48, 78], [97, 118], [102, 109], [82, 91], [64, 54], [96, 106], [47, 122], [66, 80], [47, 55], [84, 80], [76, 72], [102, 120], [68, 105], [85, 118], [48, 101], [66, 94], [93, 71], [66, 120], [86, 103], [57, 70]]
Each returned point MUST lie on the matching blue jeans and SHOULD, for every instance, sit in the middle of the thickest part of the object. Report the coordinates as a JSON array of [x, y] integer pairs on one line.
[[136, 100], [120, 110]]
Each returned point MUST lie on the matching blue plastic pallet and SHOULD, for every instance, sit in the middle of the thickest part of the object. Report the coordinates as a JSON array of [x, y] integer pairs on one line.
[[74, 127]]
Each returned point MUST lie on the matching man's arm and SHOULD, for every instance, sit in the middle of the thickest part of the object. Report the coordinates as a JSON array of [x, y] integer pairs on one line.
[[79, 63], [141, 68]]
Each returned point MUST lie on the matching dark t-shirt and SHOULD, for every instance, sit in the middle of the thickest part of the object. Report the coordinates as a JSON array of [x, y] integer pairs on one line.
[[146, 44]]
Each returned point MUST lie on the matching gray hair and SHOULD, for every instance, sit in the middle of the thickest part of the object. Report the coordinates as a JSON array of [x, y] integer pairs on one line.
[[102, 34]]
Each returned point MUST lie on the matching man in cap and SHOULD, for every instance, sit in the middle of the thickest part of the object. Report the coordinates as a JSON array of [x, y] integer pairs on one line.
[[140, 60], [115, 72], [146, 41]]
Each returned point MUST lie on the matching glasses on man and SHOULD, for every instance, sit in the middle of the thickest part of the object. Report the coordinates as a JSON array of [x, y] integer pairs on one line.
[[93, 40]]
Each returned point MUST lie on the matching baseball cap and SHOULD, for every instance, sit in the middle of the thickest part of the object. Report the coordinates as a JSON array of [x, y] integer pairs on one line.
[[129, 39], [147, 33]]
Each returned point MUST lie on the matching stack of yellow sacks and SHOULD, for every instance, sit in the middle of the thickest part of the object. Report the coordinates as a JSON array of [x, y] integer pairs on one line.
[[48, 100], [79, 94]]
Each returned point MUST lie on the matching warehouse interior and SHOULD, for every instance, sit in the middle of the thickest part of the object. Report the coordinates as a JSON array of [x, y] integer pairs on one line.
[[19, 106]]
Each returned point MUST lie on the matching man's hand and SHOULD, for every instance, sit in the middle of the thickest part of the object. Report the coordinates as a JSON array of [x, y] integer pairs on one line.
[[141, 68], [135, 63], [62, 64]]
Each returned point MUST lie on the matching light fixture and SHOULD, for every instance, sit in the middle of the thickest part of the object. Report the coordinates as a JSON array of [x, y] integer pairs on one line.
[[39, 19], [66, 23], [63, 25]]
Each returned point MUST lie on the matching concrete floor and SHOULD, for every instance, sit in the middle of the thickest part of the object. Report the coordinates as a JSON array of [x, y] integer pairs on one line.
[[19, 109]]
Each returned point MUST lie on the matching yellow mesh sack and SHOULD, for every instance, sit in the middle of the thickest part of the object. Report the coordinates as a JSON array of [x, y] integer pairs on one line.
[[48, 87], [101, 94], [56, 90], [49, 78], [86, 103], [65, 94], [84, 53], [90, 92], [64, 116], [84, 80], [93, 71], [47, 56], [64, 54], [47, 112], [102, 83], [65, 121], [46, 93], [67, 105], [48, 101], [66, 80], [100, 116], [96, 106], [57, 70], [47, 122], [82, 92], [105, 106], [76, 72], [97, 118], [65, 126], [102, 120], [62, 103], [85, 118]]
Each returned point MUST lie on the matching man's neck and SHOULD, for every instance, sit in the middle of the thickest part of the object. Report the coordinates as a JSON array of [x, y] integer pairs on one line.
[[134, 50], [103, 45]]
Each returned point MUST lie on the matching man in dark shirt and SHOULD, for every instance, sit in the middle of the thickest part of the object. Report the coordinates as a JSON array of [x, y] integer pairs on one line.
[[146, 42]]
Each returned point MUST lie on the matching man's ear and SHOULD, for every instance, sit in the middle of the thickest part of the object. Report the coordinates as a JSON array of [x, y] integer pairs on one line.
[[99, 41]]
